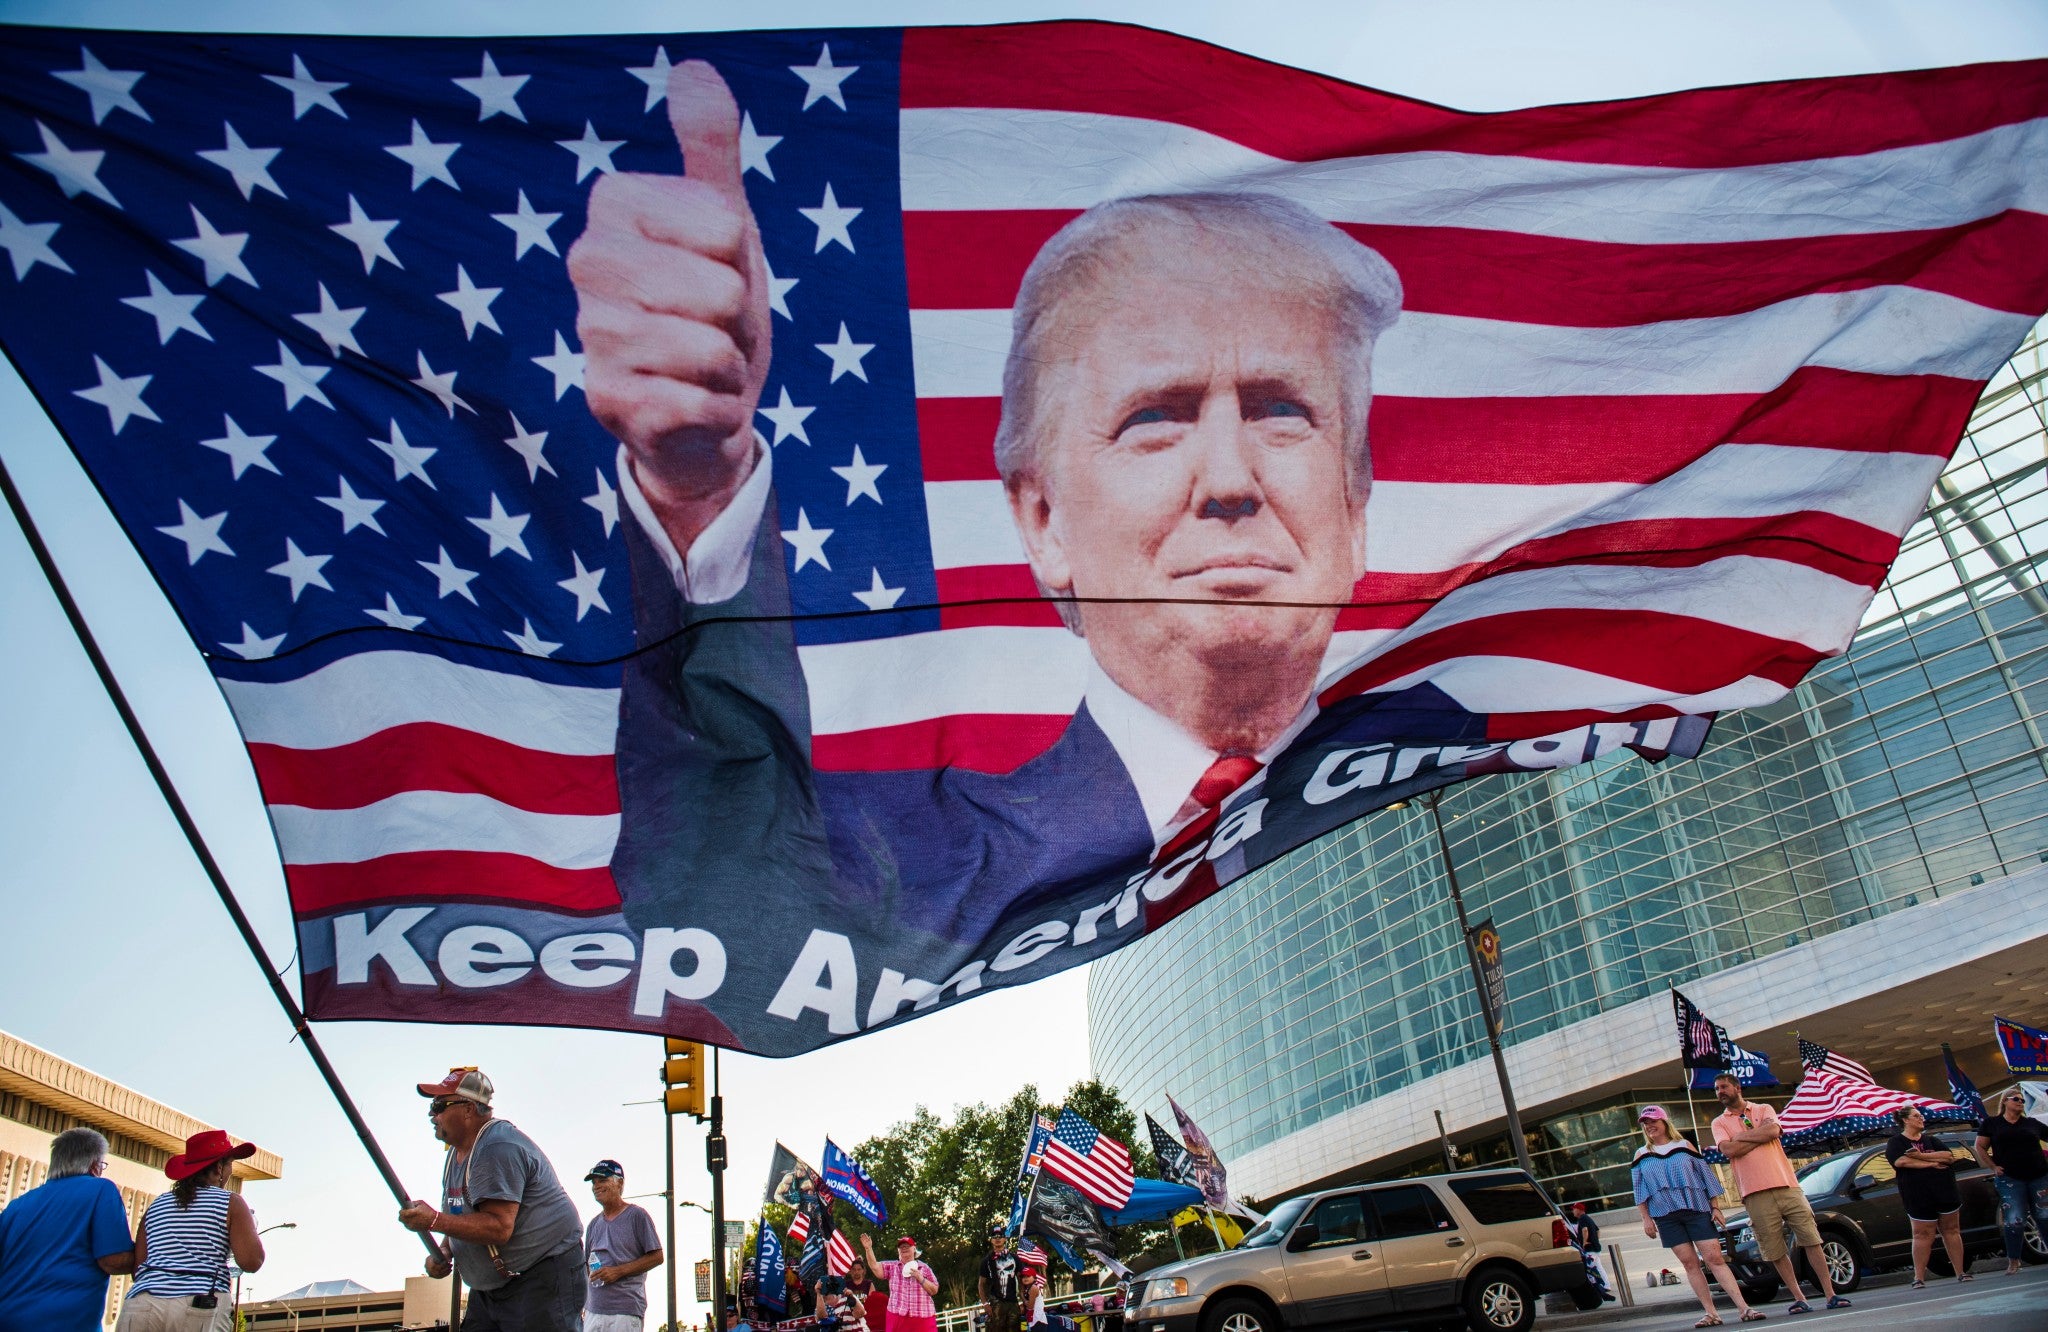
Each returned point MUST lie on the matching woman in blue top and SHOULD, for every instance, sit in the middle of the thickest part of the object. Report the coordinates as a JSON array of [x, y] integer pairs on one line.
[[1675, 1192]]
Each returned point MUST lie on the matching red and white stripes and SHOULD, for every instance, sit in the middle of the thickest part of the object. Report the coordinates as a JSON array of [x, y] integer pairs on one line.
[[1672, 380]]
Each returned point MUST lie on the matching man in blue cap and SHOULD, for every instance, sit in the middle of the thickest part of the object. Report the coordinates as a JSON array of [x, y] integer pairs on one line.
[[620, 1247]]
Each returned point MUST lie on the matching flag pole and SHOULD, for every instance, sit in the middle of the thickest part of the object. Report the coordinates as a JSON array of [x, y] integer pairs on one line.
[[19, 508]]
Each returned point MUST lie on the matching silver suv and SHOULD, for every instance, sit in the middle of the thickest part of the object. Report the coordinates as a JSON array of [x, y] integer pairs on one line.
[[1477, 1246]]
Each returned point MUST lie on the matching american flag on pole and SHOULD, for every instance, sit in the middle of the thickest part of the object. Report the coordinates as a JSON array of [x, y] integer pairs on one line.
[[1818, 1058], [1032, 1255], [838, 1250], [1828, 1106], [1654, 389], [1093, 1162]]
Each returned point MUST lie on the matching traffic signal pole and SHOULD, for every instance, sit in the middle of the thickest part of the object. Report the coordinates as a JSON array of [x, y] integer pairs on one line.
[[668, 1142], [714, 1160], [682, 1073]]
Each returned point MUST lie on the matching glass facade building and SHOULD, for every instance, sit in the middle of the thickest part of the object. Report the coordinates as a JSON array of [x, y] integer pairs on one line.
[[1910, 767]]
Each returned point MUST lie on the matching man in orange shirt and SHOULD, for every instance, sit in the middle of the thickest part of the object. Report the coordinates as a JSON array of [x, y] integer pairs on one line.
[[1747, 1135]]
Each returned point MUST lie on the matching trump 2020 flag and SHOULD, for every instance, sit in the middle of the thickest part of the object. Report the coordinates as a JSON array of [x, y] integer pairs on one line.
[[771, 1281], [845, 1178], [2025, 1048], [754, 536]]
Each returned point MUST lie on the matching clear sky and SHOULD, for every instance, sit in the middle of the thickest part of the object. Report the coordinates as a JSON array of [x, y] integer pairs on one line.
[[113, 950]]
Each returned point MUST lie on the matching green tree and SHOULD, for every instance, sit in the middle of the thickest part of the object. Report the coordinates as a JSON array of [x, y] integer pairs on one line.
[[948, 1183]]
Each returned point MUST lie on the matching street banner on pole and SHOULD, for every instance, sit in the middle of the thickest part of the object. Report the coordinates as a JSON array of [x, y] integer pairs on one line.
[[1486, 945], [2025, 1048], [626, 487]]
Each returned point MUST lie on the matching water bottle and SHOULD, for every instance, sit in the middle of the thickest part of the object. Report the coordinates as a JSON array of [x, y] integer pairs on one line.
[[595, 1263]]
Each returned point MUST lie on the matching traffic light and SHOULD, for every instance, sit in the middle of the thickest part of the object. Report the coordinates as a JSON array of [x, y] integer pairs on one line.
[[683, 1071]]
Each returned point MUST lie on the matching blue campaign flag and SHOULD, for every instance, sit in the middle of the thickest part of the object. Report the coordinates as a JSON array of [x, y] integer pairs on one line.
[[1027, 1170], [2025, 1048], [1961, 1090], [844, 1178], [1750, 1069], [770, 1280]]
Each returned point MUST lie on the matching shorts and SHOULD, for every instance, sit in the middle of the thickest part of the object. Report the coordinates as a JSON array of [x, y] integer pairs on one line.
[[612, 1322], [1006, 1317], [144, 1312], [1774, 1211], [1685, 1226]]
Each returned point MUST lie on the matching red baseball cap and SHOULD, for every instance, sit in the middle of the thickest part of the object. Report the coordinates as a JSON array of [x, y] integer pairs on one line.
[[908, 1239], [468, 1083], [205, 1150]]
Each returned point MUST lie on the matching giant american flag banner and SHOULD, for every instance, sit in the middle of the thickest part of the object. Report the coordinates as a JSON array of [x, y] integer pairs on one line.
[[754, 536]]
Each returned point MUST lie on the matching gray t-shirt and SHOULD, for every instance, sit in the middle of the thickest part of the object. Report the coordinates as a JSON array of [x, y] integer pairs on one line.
[[504, 1164], [615, 1240]]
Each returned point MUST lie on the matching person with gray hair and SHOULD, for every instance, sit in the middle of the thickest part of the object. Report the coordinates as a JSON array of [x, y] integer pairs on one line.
[[1184, 457], [60, 1242]]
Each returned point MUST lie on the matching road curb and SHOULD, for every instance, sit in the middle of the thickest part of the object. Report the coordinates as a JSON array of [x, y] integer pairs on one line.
[[1615, 1313]]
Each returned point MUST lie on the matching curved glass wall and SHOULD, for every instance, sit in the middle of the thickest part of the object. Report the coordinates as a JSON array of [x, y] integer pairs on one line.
[[1911, 766]]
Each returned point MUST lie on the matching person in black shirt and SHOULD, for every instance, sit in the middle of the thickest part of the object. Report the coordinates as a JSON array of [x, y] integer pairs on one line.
[[1927, 1187], [2010, 1143], [1000, 1275]]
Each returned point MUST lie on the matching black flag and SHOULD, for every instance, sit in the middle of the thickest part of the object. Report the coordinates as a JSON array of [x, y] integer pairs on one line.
[[1701, 1043], [1176, 1166], [1068, 1221]]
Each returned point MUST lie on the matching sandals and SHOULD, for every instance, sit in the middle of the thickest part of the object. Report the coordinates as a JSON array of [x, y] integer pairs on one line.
[[1711, 1320], [1751, 1316]]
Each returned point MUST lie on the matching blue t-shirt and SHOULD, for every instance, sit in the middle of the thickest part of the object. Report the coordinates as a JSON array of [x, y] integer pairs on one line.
[[50, 1240]]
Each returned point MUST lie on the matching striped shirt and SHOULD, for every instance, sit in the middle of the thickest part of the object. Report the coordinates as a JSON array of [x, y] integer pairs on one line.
[[185, 1248], [1676, 1179], [907, 1296]]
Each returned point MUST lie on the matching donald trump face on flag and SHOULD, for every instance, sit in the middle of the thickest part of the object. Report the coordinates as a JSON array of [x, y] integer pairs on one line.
[[1183, 436], [1183, 445]]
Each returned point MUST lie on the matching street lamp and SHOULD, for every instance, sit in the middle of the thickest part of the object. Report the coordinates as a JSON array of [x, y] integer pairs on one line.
[[282, 1225]]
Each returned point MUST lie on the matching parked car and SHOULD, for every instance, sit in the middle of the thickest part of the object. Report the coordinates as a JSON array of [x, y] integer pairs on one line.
[[1473, 1249], [1863, 1228]]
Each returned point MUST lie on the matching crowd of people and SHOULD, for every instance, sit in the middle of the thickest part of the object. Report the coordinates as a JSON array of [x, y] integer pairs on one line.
[[1679, 1196]]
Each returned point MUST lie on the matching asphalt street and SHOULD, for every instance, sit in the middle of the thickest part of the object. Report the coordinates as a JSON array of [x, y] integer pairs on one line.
[[1993, 1302]]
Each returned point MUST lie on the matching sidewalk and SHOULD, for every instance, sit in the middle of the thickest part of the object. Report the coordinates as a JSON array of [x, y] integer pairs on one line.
[[1684, 1311]]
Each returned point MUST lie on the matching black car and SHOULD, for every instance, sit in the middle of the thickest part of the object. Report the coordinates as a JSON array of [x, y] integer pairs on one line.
[[1863, 1227]]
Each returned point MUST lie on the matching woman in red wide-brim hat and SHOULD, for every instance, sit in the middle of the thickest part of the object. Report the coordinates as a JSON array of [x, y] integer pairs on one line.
[[185, 1238]]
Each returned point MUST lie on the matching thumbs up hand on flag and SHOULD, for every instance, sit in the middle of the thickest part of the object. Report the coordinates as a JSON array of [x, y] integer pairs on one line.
[[672, 309]]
